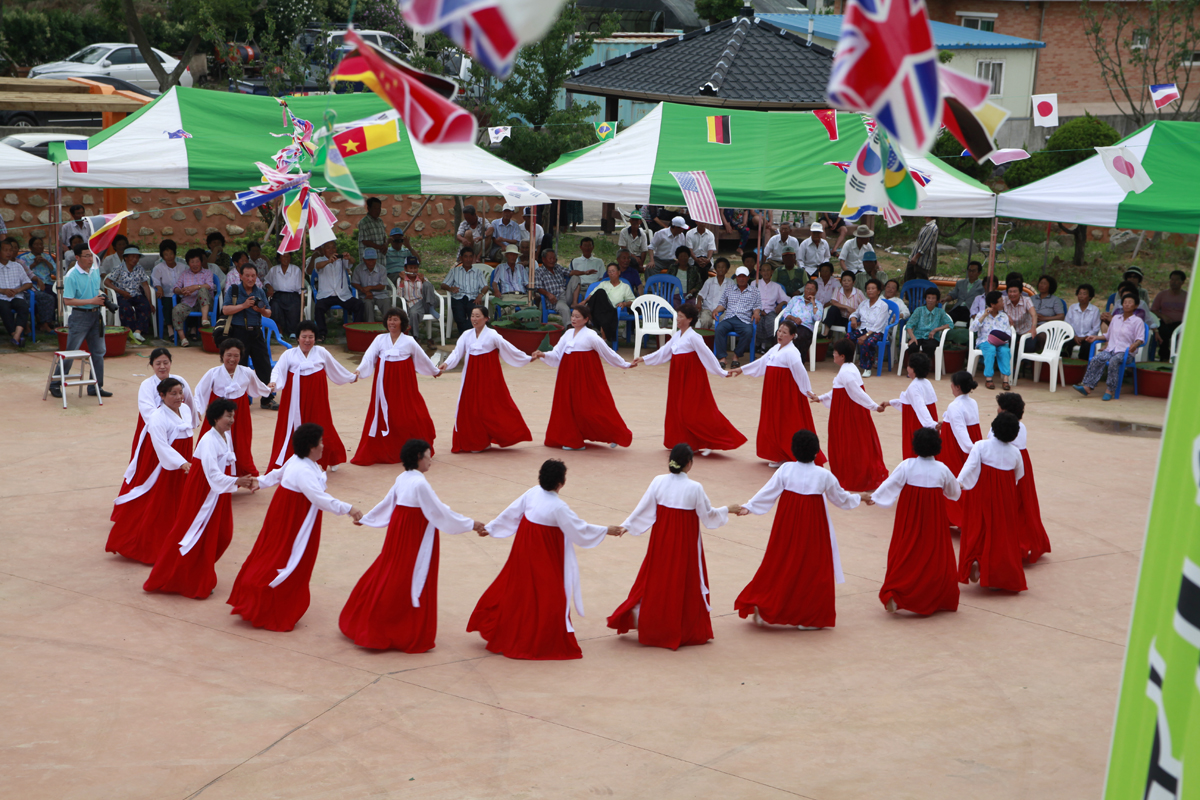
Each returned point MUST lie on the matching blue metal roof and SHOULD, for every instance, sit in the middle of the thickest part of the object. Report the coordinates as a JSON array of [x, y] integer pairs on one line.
[[945, 35]]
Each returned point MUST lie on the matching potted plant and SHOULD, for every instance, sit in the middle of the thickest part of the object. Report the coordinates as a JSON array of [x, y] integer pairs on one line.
[[822, 348], [207, 343], [527, 335], [115, 340], [359, 335], [954, 358], [1154, 379]]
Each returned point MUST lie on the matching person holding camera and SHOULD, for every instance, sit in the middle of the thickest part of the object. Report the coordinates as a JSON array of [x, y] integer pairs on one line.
[[245, 304]]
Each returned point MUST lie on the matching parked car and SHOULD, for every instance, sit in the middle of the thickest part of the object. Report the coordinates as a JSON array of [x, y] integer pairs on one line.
[[37, 144], [335, 41], [115, 60], [28, 118]]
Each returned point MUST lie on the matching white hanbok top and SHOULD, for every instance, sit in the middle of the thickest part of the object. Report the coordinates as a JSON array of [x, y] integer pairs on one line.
[[682, 342], [925, 473], [850, 379], [806, 478], [383, 348], [478, 344], [786, 356], [295, 362], [996, 454], [674, 491], [920, 395], [962, 413], [1019, 442], [217, 382], [149, 400], [163, 428], [580, 341], [547, 508], [304, 476], [412, 490], [216, 456]]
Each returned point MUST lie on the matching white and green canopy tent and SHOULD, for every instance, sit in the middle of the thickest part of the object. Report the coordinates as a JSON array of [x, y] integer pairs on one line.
[[21, 170], [774, 160], [227, 133], [1085, 193]]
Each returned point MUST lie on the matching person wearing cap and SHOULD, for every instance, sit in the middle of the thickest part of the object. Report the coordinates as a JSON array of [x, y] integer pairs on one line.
[[283, 285], [502, 233], [813, 251], [740, 308], [925, 249], [418, 294], [371, 230], [773, 249], [710, 294], [870, 269], [472, 230], [851, 254], [663, 245], [332, 270], [635, 240], [467, 284], [703, 244], [369, 279], [1134, 275], [116, 259], [510, 278], [399, 249], [555, 284], [789, 275], [245, 305], [135, 299], [773, 299]]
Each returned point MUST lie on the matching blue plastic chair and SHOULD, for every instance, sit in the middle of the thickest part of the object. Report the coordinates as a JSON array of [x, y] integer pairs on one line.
[[885, 350], [32, 317], [312, 280], [1125, 361], [271, 329], [668, 287], [913, 293], [753, 335]]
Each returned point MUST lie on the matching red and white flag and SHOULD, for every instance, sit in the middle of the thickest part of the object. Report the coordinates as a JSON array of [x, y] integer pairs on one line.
[[699, 196], [828, 118], [1125, 168], [1164, 94], [492, 31], [1045, 110]]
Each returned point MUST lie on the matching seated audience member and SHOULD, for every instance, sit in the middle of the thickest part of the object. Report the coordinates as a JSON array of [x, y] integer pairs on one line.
[[1142, 311], [869, 320], [962, 296], [844, 302], [586, 266], [195, 288], [14, 283], [467, 285], [789, 275], [219, 261], [283, 284], [834, 226], [165, 274], [734, 220], [1049, 309], [635, 240], [332, 272], [399, 250], [1125, 332], [739, 308], [664, 245], [418, 294], [629, 270], [510, 277], [806, 312], [891, 291], [116, 259], [850, 256], [1134, 275], [750, 262], [703, 244], [134, 297], [979, 304], [870, 271], [773, 250], [925, 323], [502, 233], [40, 268], [604, 303], [369, 279], [710, 294], [1168, 306], [555, 284], [1084, 319], [1020, 310], [69, 258], [688, 272], [471, 233], [827, 284], [254, 253], [773, 299], [539, 237], [993, 336], [813, 251]]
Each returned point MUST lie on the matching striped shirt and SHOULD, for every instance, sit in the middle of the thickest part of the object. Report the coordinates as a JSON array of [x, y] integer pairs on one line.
[[553, 280], [470, 283], [12, 276], [741, 303]]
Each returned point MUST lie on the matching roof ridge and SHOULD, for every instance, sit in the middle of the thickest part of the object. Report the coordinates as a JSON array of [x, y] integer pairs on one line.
[[721, 69]]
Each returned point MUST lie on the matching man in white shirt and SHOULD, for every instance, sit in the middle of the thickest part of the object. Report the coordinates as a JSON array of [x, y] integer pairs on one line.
[[283, 284], [813, 251], [774, 299], [538, 235], [370, 281], [76, 225], [663, 245], [851, 256], [510, 278], [773, 249], [472, 230], [703, 245], [587, 267], [333, 287], [710, 294], [502, 233], [634, 239]]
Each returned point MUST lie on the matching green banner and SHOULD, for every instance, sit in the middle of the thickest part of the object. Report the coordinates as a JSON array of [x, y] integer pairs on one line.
[[1155, 729]]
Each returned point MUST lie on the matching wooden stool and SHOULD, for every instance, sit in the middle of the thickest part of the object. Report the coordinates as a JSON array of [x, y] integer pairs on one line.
[[59, 367]]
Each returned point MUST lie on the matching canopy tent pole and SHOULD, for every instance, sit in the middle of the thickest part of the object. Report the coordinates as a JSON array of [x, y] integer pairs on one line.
[[1046, 254], [971, 244], [529, 264], [56, 198], [412, 217], [992, 249], [1137, 246]]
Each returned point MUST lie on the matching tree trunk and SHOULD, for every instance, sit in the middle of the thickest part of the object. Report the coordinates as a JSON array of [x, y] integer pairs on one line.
[[1080, 234], [165, 81]]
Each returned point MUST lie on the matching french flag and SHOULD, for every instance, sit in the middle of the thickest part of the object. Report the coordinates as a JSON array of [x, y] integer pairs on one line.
[[77, 154], [1163, 93]]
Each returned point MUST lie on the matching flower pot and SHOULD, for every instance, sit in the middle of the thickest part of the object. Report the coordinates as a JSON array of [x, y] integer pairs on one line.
[[359, 335], [1154, 381], [1073, 369], [115, 340], [529, 341], [822, 349], [707, 334], [207, 343], [953, 361]]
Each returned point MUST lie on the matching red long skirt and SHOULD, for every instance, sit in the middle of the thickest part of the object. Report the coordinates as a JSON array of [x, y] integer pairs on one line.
[[193, 575], [583, 408], [991, 532], [670, 586], [314, 407], [855, 457], [954, 459], [692, 413], [910, 425], [241, 435], [1034, 541], [281, 607], [137, 432], [921, 573], [523, 614], [486, 412], [783, 412], [380, 613], [794, 584], [407, 416], [140, 525]]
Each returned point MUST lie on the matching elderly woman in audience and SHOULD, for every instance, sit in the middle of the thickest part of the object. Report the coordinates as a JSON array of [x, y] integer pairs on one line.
[[805, 311], [1021, 314], [870, 319], [979, 304], [826, 284], [1125, 332], [845, 301], [1084, 319], [1169, 305], [891, 291], [926, 322], [993, 338], [135, 300], [1048, 308]]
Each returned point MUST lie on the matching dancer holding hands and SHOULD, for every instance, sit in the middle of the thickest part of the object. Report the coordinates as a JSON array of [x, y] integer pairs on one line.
[[960, 431], [917, 403], [855, 457], [238, 384]]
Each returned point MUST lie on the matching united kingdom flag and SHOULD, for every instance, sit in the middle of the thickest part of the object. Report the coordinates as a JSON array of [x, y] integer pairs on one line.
[[886, 65], [490, 30]]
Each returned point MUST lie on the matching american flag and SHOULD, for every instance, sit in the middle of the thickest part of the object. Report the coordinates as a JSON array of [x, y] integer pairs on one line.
[[699, 196]]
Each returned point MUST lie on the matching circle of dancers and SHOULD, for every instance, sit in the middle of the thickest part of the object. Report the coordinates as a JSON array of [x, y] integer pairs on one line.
[[174, 512]]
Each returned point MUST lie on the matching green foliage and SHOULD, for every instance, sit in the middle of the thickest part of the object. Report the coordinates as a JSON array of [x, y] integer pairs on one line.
[[950, 150], [1070, 144], [37, 37], [945, 56], [718, 10]]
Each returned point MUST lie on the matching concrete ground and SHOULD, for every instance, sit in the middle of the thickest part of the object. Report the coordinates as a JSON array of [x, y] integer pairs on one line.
[[115, 693]]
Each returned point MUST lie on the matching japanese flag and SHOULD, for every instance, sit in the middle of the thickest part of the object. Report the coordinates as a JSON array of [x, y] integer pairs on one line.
[[1045, 110], [1125, 168]]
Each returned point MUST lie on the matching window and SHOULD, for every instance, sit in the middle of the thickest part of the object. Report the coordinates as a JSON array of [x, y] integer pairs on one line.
[[1194, 61], [1139, 41], [122, 56], [977, 20], [992, 71]]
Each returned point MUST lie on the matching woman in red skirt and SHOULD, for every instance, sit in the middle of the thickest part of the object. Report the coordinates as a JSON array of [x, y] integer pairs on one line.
[[240, 385], [921, 574], [485, 413], [960, 432], [917, 403], [669, 603], [692, 413], [1034, 541], [989, 552], [204, 522], [526, 612], [583, 409], [149, 399], [271, 590], [394, 603], [794, 584], [855, 457], [303, 372], [784, 397], [146, 507], [397, 412]]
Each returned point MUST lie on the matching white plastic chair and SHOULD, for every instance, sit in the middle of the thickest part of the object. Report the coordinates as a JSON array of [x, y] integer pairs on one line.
[[646, 310], [974, 354], [1057, 334], [1176, 338], [812, 346], [939, 363]]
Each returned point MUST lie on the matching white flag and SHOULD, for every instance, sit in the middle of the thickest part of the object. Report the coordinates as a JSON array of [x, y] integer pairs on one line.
[[498, 134], [1125, 168], [519, 193], [1045, 110]]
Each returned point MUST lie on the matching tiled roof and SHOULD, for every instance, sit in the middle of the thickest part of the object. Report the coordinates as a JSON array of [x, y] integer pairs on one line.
[[945, 35], [738, 63]]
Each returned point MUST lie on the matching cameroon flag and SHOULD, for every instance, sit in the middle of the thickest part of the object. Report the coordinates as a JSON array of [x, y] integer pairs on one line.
[[718, 130], [368, 137]]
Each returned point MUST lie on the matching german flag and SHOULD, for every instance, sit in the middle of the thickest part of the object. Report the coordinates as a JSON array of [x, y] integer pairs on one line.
[[718, 130], [366, 137]]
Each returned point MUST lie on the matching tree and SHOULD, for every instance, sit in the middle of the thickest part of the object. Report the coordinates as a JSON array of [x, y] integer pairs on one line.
[[717, 10], [1145, 42]]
